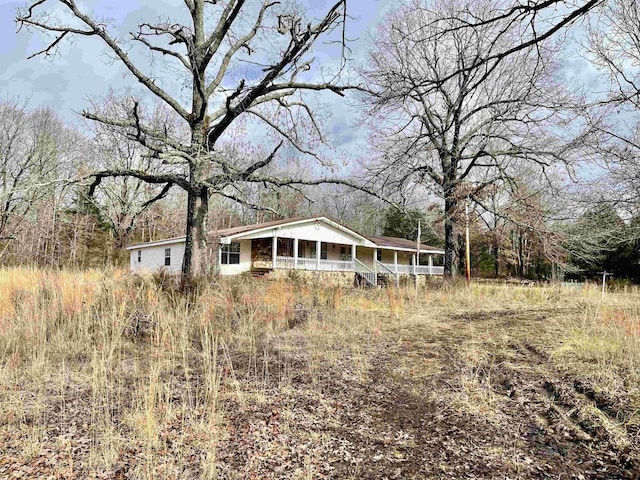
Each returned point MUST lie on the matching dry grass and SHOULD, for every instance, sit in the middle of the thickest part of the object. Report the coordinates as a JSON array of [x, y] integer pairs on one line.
[[103, 374]]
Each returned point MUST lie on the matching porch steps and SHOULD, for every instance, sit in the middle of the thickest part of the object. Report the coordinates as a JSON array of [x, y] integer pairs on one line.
[[260, 272], [362, 281], [383, 279]]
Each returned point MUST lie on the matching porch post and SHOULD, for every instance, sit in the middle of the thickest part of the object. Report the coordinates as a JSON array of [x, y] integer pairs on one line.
[[318, 250], [430, 265], [353, 256], [274, 250], [220, 257], [295, 253], [415, 271], [395, 267], [375, 259]]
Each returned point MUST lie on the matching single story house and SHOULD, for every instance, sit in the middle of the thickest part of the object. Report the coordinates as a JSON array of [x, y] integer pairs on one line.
[[303, 243]]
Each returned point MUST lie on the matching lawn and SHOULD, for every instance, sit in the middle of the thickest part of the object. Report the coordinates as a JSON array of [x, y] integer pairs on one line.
[[104, 375]]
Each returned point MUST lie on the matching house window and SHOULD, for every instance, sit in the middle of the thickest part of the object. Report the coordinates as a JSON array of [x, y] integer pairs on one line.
[[343, 253], [379, 255], [167, 257], [323, 251], [230, 253], [285, 247], [139, 256]]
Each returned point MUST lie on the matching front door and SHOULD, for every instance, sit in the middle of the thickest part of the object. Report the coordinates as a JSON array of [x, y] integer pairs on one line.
[[261, 249]]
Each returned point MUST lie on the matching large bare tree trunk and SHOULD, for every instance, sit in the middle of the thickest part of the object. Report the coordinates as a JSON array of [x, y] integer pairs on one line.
[[195, 252], [450, 211]]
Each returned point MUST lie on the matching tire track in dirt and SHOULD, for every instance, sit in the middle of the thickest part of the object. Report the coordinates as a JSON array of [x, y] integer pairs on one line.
[[564, 425], [539, 428], [387, 421]]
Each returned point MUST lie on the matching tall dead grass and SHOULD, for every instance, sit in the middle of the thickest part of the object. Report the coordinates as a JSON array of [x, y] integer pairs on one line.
[[136, 368]]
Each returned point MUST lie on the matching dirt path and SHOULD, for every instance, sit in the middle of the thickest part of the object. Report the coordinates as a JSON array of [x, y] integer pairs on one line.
[[471, 396], [450, 402]]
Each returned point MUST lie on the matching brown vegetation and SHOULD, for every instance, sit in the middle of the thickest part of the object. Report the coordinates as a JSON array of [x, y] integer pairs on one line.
[[104, 375]]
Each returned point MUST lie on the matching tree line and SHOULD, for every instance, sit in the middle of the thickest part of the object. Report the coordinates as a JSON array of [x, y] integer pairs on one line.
[[467, 102]]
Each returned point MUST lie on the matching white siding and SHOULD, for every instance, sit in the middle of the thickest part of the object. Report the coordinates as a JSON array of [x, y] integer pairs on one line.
[[152, 258], [365, 255], [404, 258], [312, 230]]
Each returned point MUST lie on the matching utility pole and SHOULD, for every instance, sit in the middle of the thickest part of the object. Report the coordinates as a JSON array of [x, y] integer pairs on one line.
[[417, 255], [466, 247]]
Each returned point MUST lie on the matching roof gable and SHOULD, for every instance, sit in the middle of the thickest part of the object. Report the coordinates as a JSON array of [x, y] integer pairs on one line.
[[322, 228]]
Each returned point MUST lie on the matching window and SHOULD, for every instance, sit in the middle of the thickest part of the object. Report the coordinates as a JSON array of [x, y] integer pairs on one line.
[[285, 247], [167, 257], [230, 253], [379, 255], [139, 256], [323, 251], [343, 253]]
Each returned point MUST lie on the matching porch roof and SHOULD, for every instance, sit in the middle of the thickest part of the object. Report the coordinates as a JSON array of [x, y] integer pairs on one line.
[[402, 243], [226, 235]]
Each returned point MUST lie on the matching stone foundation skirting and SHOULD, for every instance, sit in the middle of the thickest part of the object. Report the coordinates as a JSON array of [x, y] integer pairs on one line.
[[325, 279]]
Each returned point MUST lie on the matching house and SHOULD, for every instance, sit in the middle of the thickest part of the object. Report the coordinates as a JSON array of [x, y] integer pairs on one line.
[[309, 244]]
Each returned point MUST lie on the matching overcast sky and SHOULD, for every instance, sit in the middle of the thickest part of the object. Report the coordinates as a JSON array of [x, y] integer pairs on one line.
[[82, 71]]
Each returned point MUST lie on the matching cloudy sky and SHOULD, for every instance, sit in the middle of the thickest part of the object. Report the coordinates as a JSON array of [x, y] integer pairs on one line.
[[82, 71]]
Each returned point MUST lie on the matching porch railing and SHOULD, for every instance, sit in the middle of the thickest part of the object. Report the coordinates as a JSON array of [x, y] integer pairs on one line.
[[284, 262], [365, 272], [403, 269], [307, 264], [426, 270], [337, 265], [350, 266], [288, 263], [420, 269], [385, 269]]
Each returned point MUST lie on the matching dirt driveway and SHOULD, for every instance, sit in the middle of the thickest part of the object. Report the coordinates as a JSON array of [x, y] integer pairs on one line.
[[469, 396]]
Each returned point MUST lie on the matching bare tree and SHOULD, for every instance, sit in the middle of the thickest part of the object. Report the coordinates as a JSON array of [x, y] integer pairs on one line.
[[242, 62], [614, 44], [450, 120], [496, 223], [35, 148], [523, 25], [118, 202]]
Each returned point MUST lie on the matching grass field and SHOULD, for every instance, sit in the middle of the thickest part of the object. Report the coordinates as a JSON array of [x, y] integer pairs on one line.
[[103, 375]]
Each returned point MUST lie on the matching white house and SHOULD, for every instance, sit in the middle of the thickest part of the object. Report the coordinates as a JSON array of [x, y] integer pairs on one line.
[[312, 244]]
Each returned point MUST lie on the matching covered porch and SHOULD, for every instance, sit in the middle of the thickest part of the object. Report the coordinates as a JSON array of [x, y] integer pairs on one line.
[[315, 255], [299, 254]]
